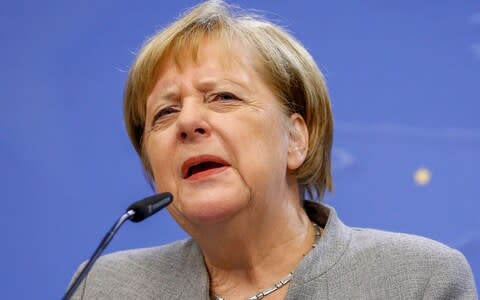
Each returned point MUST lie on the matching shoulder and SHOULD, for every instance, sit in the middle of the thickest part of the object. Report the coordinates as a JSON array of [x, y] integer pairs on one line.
[[364, 263], [155, 272], [170, 254], [366, 241], [406, 260], [398, 247]]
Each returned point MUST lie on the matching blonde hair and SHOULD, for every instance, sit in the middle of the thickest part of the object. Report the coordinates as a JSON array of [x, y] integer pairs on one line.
[[281, 61]]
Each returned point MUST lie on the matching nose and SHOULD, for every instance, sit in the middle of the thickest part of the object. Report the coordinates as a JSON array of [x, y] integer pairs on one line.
[[192, 123]]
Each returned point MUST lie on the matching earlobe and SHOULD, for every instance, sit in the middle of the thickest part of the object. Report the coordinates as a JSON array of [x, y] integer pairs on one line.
[[298, 143]]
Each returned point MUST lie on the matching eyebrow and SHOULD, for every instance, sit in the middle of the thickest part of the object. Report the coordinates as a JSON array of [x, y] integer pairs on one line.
[[211, 82], [168, 92], [171, 91]]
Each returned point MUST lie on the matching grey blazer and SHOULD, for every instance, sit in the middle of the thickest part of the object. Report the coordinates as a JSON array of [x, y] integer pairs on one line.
[[348, 263]]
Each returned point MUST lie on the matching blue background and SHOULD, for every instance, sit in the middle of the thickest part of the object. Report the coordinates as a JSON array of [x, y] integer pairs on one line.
[[404, 78]]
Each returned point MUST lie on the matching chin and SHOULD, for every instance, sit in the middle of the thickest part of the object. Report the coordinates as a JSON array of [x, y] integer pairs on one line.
[[212, 207]]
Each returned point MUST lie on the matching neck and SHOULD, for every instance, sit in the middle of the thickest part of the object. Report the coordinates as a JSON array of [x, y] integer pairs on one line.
[[248, 253]]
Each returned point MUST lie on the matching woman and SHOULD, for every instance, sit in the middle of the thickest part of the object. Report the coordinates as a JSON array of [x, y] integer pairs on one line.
[[231, 115]]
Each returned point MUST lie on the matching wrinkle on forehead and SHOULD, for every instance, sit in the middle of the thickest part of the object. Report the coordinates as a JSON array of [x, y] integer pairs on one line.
[[209, 52], [229, 49]]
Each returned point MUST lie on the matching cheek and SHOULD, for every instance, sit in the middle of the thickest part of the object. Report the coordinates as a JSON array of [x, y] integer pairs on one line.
[[160, 157], [259, 145], [269, 134]]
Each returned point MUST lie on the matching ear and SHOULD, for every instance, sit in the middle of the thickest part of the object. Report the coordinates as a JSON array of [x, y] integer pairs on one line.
[[298, 142]]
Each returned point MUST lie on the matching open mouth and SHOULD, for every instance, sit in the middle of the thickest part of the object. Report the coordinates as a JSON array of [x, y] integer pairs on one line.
[[203, 167]]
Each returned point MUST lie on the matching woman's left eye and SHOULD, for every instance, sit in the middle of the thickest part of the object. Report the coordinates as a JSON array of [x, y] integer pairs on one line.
[[225, 96]]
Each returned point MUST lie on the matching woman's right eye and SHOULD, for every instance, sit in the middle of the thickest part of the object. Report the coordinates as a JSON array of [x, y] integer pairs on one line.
[[164, 112]]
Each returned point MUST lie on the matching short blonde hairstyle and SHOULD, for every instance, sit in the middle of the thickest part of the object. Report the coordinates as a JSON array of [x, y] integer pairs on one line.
[[281, 61]]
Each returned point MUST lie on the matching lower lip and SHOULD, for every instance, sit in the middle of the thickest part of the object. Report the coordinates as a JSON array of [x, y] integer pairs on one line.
[[207, 173]]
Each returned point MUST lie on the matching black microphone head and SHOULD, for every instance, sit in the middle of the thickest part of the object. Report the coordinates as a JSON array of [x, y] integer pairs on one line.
[[149, 206]]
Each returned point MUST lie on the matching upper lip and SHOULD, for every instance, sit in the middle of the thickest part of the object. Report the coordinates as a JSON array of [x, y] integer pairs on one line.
[[196, 160]]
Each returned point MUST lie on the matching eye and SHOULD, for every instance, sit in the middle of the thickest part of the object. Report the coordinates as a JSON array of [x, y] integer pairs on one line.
[[224, 96], [164, 112]]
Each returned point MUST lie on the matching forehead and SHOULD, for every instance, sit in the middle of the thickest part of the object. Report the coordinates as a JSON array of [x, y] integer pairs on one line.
[[208, 57]]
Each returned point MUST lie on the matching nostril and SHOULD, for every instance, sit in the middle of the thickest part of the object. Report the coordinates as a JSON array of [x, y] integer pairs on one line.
[[200, 130], [189, 134]]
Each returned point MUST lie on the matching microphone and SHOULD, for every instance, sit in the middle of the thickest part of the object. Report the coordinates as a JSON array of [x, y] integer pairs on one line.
[[148, 206], [136, 212]]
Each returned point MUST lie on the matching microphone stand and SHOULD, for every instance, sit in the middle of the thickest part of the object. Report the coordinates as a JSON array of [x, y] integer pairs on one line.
[[137, 212], [103, 244]]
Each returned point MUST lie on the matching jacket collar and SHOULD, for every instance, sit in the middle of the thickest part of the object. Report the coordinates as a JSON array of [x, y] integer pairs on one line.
[[332, 245]]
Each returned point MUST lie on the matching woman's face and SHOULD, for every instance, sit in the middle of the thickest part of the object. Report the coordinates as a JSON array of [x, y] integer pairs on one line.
[[216, 137]]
